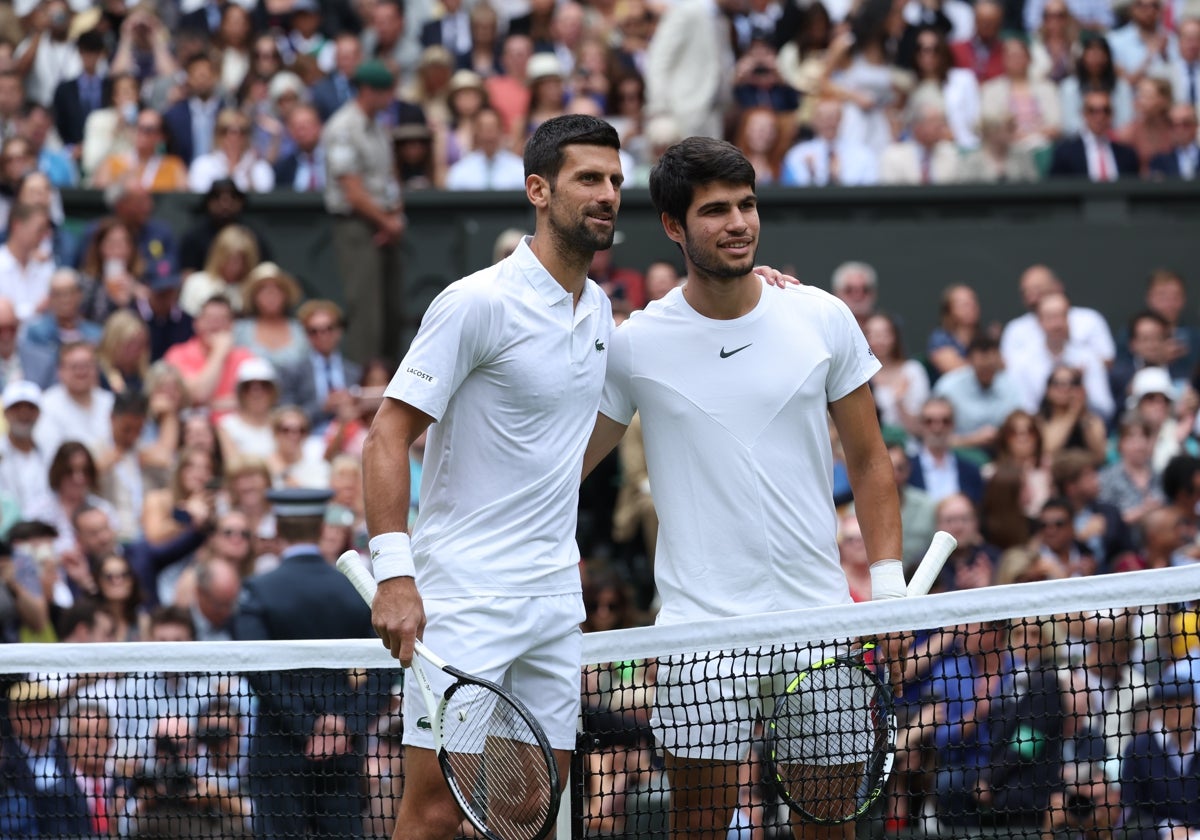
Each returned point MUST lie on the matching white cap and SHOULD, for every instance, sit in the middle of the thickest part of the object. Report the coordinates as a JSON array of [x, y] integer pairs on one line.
[[542, 66], [1150, 380], [21, 391], [256, 370], [285, 82]]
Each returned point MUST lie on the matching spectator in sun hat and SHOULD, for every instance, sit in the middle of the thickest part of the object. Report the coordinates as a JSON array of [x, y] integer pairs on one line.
[[1152, 394], [270, 297], [247, 430]]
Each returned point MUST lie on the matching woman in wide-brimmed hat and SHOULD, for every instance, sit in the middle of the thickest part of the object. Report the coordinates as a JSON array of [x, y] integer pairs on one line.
[[268, 330]]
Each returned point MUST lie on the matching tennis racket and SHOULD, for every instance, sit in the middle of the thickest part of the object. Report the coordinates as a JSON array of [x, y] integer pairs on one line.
[[496, 759], [832, 738]]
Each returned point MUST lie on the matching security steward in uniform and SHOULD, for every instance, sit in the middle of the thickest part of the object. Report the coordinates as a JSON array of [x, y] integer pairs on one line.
[[306, 755]]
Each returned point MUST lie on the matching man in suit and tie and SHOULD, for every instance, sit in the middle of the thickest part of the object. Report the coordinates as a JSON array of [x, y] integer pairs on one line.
[[928, 158], [1092, 154], [75, 98], [1185, 70], [306, 759], [452, 30], [826, 160], [1184, 160], [191, 122], [336, 89], [321, 383], [303, 170]]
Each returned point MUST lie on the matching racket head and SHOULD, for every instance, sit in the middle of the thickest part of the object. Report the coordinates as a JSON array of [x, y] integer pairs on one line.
[[831, 740], [497, 760]]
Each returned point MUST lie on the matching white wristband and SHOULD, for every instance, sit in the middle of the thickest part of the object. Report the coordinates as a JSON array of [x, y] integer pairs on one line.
[[391, 556], [887, 580]]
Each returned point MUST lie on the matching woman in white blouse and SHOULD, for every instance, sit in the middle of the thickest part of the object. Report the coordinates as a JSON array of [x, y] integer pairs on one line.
[[231, 157], [902, 385], [110, 130]]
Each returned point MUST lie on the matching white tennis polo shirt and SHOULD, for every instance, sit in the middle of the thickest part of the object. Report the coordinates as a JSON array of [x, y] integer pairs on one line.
[[737, 445], [512, 373]]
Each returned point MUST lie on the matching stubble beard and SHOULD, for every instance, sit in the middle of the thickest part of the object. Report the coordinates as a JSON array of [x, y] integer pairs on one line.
[[709, 263], [575, 237]]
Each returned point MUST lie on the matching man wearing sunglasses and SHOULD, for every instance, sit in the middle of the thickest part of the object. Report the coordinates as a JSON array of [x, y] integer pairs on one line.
[[1092, 154]]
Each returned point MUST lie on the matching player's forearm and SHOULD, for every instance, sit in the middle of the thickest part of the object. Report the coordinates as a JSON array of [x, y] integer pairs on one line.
[[874, 487]]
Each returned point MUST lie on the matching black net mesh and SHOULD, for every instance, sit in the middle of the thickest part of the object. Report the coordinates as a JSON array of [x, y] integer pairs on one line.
[[1079, 722]]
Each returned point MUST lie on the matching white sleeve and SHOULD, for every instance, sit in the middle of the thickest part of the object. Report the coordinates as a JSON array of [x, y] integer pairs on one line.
[[1097, 334], [617, 401], [457, 334], [851, 362]]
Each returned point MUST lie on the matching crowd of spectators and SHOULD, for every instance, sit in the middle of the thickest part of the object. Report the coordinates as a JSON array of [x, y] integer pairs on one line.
[[179, 94]]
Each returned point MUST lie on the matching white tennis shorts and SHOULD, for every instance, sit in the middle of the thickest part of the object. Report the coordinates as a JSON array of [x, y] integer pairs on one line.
[[707, 706], [531, 646]]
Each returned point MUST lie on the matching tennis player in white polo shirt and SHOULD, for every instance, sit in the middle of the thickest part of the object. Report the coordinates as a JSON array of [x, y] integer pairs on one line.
[[508, 367], [734, 379]]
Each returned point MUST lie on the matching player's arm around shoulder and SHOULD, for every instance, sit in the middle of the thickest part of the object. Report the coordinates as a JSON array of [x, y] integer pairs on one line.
[[616, 401], [397, 613], [606, 434]]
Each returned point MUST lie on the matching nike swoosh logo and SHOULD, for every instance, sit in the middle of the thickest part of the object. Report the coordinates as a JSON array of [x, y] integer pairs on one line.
[[726, 354]]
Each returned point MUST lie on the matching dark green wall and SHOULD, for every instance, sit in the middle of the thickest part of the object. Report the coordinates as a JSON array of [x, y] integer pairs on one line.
[[1102, 239]]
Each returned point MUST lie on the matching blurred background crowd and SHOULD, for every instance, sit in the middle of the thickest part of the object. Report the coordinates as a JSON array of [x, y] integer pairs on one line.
[[875, 91]]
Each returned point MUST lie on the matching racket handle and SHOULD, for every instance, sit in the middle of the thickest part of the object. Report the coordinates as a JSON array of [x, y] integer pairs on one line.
[[939, 551], [351, 566]]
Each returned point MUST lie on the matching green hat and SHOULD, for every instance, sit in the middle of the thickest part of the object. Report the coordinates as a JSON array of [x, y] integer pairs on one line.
[[1015, 35], [374, 74]]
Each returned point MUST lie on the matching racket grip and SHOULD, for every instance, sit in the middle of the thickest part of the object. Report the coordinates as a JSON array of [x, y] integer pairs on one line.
[[350, 566], [939, 551]]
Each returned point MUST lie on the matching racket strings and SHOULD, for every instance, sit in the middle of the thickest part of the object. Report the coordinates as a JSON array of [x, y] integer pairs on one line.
[[829, 739], [498, 767]]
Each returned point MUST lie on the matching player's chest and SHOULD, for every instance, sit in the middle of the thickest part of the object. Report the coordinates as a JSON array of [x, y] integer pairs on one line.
[[561, 357], [730, 374]]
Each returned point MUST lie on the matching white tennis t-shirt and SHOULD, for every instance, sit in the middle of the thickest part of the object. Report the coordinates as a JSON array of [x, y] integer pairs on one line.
[[512, 374], [734, 416]]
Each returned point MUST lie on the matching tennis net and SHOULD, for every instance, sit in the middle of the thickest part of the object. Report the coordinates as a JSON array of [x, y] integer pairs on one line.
[[1063, 708]]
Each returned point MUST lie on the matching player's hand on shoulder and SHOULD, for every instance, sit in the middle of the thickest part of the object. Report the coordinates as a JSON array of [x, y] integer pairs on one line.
[[398, 616], [775, 277]]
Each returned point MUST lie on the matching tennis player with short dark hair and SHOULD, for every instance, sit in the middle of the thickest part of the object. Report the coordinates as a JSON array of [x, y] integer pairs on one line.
[[508, 367], [734, 379]]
